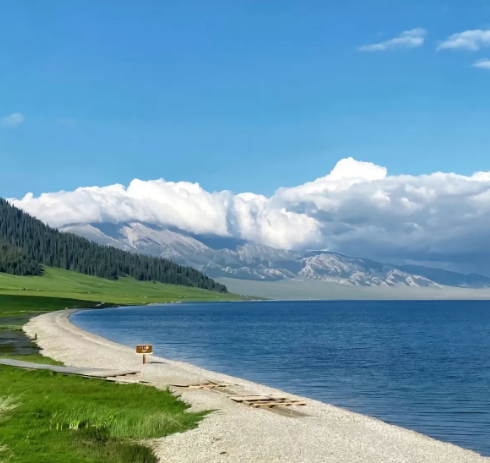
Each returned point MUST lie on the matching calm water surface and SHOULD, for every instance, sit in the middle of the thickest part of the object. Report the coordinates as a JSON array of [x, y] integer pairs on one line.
[[421, 365]]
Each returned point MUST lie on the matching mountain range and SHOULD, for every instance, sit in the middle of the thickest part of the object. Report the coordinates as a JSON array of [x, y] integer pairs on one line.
[[220, 257]]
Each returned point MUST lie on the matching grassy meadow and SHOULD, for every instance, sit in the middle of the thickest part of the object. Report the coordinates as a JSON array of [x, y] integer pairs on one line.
[[63, 284], [46, 417]]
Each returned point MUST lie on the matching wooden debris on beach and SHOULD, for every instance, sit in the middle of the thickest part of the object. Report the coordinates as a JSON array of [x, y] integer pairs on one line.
[[128, 379], [197, 386], [264, 401]]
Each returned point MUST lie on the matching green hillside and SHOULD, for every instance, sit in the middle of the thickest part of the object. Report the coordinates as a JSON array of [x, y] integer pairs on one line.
[[27, 245], [57, 283]]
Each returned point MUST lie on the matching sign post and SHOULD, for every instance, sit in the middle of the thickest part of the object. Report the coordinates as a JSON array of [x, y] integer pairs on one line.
[[144, 350]]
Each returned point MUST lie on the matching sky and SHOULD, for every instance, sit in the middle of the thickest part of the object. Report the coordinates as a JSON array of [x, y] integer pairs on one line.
[[256, 98]]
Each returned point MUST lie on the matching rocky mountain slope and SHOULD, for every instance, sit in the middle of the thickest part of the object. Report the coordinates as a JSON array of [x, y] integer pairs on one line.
[[221, 257]]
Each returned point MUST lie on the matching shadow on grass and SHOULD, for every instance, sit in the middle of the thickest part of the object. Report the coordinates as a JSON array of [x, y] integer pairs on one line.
[[98, 443]]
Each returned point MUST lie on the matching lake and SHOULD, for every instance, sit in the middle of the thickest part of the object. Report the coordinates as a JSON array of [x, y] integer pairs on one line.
[[421, 365]]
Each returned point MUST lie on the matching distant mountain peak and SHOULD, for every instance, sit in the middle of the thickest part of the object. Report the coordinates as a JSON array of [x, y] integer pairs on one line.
[[226, 257]]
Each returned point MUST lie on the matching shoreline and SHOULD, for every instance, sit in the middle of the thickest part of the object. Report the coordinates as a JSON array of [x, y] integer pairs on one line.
[[235, 432]]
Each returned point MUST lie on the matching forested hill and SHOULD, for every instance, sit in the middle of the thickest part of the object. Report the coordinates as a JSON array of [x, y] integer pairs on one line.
[[26, 244]]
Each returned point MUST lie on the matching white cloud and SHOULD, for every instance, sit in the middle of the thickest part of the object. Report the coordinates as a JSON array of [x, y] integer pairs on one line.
[[357, 209], [408, 39], [483, 63], [13, 120], [468, 40]]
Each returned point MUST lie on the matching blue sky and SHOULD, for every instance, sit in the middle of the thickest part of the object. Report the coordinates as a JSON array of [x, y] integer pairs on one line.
[[239, 95]]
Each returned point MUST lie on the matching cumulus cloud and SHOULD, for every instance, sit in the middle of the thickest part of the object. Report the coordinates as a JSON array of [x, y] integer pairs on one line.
[[467, 40], [13, 120], [408, 39], [357, 209], [483, 63]]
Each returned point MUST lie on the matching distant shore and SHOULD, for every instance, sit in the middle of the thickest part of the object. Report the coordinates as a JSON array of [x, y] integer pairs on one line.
[[237, 433], [309, 289]]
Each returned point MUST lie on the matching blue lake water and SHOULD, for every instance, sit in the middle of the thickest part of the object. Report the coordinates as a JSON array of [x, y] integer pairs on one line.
[[421, 365]]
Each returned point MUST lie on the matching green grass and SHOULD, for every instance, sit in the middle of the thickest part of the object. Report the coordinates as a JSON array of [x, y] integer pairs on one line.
[[60, 419], [21, 305], [67, 289], [10, 327]]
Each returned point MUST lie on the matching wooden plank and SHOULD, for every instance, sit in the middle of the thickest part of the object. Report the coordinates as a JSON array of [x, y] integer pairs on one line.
[[196, 386], [105, 373], [241, 398], [273, 404], [261, 401]]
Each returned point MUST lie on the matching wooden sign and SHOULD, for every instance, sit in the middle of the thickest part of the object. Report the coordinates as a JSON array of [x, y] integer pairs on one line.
[[144, 349]]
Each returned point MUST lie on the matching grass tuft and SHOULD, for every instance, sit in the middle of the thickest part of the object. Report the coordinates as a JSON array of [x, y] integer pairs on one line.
[[7, 405], [5, 455], [120, 424]]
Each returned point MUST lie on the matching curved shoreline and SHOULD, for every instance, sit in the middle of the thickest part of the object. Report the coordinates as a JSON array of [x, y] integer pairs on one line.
[[236, 433]]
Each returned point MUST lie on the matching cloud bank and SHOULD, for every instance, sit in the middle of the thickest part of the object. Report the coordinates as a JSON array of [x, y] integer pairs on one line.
[[357, 209], [408, 39]]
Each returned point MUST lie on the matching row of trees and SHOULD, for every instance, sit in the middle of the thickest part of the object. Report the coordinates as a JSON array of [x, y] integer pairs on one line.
[[32, 242], [14, 261]]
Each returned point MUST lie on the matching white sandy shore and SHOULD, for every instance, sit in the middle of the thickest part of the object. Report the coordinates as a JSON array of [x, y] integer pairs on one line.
[[235, 433]]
